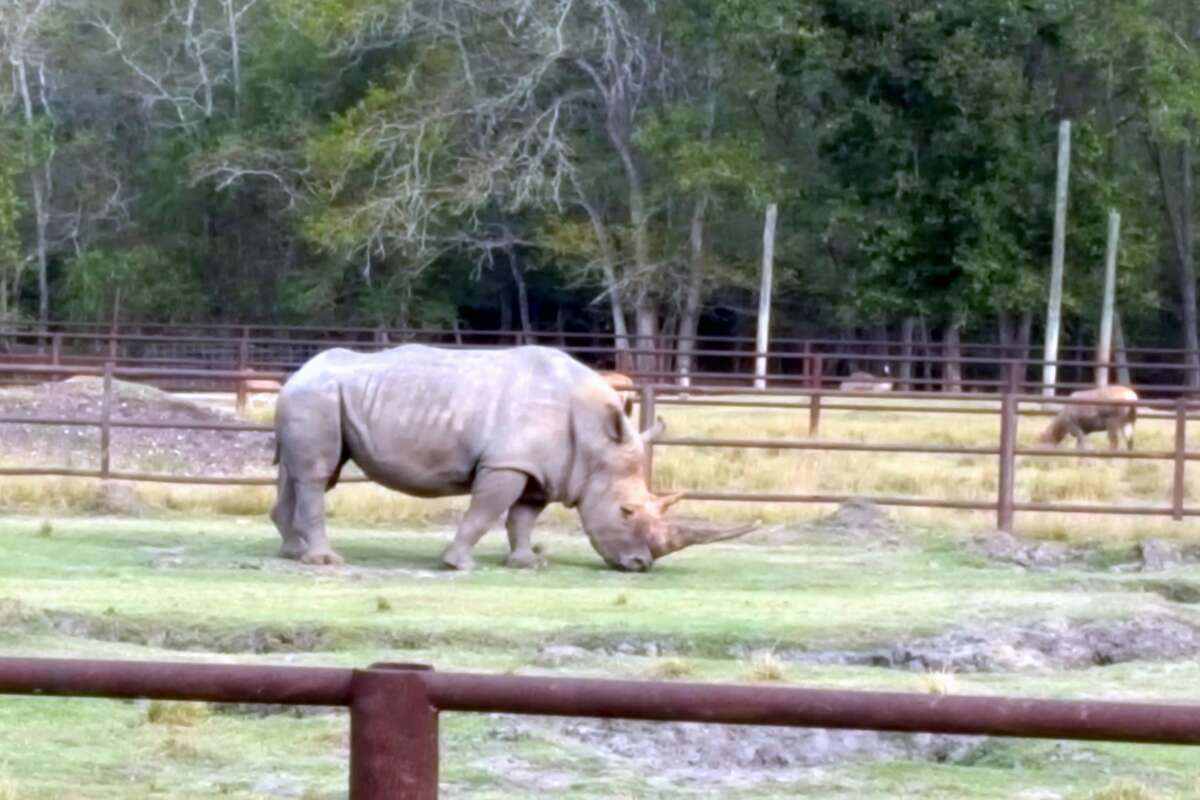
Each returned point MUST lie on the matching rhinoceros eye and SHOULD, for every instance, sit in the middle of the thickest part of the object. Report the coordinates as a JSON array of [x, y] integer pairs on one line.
[[628, 511]]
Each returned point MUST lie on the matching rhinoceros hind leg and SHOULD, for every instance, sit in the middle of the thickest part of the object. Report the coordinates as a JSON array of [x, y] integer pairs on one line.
[[521, 518], [493, 493], [305, 540]]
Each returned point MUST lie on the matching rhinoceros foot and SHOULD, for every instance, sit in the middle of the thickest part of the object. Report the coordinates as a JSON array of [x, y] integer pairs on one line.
[[321, 557], [524, 559], [459, 558]]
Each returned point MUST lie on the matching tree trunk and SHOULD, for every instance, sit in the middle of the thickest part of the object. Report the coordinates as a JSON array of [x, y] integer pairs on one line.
[[1178, 211], [505, 314], [908, 327], [522, 299], [647, 331], [39, 179], [608, 263], [952, 352]]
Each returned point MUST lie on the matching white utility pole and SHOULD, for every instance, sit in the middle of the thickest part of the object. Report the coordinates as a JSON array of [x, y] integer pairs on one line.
[[1058, 255], [762, 341], [1104, 348]]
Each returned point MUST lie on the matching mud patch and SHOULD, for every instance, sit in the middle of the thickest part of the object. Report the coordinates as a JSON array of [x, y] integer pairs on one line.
[[1002, 546], [1177, 591], [1038, 646], [350, 572], [730, 756]]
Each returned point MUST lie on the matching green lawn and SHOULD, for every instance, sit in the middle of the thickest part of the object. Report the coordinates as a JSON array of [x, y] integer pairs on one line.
[[213, 589]]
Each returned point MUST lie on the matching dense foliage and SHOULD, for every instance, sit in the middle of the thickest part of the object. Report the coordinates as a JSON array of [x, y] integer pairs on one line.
[[595, 163]]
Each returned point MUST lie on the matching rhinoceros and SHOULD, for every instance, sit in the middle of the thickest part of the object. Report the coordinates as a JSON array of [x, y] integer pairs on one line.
[[515, 429]]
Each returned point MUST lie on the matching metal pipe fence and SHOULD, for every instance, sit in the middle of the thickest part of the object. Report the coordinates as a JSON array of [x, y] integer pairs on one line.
[[706, 360], [395, 708], [1011, 406]]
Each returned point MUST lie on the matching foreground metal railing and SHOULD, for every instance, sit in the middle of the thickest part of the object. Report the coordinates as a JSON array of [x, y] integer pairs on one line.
[[394, 708]]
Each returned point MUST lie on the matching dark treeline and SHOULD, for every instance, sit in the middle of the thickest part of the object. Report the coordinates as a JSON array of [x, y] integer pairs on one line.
[[597, 164]]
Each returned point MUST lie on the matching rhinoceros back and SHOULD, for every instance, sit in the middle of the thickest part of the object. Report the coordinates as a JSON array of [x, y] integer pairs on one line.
[[424, 420]]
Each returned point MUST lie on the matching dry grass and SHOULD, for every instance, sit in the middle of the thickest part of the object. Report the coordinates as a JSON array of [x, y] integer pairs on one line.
[[9, 790], [1126, 790], [764, 667], [938, 681], [671, 669], [176, 714]]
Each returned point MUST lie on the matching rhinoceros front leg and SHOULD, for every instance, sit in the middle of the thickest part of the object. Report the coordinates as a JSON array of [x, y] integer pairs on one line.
[[493, 493], [521, 518]]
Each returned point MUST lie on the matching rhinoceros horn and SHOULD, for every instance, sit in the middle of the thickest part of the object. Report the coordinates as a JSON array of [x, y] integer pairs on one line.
[[679, 536]]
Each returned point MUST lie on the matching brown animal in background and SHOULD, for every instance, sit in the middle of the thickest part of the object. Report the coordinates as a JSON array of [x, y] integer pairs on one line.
[[624, 386], [866, 382], [1113, 413]]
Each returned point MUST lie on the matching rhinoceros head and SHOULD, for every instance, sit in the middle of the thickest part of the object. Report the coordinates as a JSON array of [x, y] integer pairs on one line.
[[626, 522]]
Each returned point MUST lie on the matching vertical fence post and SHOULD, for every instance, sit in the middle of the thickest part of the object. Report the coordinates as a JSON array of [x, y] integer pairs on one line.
[[814, 399], [1180, 458], [113, 332], [56, 349], [393, 735], [647, 420], [105, 420], [243, 364], [1008, 448]]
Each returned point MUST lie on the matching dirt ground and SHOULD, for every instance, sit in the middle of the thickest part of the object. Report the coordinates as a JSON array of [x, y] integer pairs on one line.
[[172, 451]]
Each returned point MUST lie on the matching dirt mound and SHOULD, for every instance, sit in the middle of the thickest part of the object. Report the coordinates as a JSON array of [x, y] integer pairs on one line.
[[858, 518], [731, 755], [1038, 646], [163, 450]]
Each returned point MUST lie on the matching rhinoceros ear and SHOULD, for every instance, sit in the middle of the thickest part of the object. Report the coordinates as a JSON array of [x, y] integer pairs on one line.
[[616, 425]]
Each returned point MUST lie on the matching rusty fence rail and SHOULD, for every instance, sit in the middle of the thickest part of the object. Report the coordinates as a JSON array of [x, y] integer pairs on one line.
[[395, 708], [701, 360], [1010, 406]]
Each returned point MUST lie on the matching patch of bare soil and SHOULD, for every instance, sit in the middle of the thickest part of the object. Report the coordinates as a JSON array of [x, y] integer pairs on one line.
[[173, 451], [854, 520], [1036, 646], [677, 754]]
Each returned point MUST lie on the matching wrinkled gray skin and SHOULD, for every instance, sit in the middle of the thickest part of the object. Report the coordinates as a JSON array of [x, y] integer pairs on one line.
[[515, 429]]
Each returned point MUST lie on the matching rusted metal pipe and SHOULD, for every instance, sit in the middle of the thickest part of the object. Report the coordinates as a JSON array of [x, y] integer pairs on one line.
[[1008, 463], [393, 734], [224, 683], [815, 708], [1177, 483]]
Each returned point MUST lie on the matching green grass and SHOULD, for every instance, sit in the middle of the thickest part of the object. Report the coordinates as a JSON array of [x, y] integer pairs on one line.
[[212, 589]]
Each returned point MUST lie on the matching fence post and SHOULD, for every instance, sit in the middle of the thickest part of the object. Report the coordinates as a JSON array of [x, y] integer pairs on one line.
[[1180, 458], [242, 366], [1008, 448], [56, 349], [814, 399], [105, 420], [393, 735], [646, 417]]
